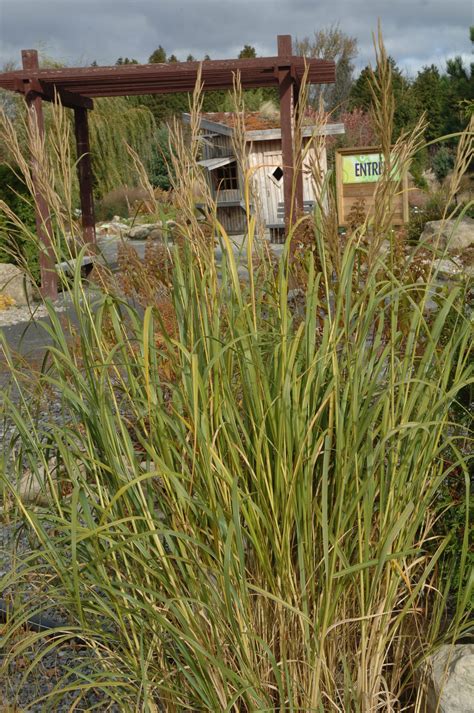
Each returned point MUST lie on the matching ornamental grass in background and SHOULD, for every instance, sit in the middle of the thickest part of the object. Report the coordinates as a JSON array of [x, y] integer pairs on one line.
[[254, 517]]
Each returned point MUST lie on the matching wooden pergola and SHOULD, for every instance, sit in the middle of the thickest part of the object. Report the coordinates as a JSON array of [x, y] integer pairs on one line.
[[77, 87]]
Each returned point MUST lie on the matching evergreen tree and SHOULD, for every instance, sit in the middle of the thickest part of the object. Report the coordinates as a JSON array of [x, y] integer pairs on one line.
[[429, 95], [459, 93], [247, 52], [158, 56], [405, 111], [126, 60]]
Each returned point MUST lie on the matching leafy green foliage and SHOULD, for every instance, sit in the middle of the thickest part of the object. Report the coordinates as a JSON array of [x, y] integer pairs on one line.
[[158, 56], [247, 52], [160, 172], [405, 114], [435, 208], [113, 123], [443, 162], [429, 92], [16, 247]]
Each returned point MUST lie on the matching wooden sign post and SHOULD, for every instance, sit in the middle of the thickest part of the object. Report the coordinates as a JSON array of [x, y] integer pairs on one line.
[[357, 172]]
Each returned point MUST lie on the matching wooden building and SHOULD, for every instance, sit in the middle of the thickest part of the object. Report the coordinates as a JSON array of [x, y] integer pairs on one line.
[[263, 147]]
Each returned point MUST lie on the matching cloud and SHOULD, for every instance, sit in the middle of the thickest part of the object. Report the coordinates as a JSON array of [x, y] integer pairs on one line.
[[417, 32]]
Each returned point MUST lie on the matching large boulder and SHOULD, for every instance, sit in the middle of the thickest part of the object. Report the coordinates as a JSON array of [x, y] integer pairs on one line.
[[451, 235], [14, 284], [451, 686]]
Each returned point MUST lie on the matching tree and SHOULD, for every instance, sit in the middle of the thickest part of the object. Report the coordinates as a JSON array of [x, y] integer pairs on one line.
[[429, 95], [190, 58], [332, 44], [248, 52], [158, 56], [160, 165], [405, 111], [459, 92], [172, 58], [126, 60]]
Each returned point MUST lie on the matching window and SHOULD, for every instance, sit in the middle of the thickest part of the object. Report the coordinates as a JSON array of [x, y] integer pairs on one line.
[[226, 178], [277, 174]]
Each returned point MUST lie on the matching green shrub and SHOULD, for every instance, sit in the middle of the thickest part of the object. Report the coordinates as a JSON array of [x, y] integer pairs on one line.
[[434, 209], [443, 162], [14, 246]]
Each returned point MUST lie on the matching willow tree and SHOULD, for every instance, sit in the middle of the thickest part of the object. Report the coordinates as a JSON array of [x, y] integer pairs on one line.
[[115, 122]]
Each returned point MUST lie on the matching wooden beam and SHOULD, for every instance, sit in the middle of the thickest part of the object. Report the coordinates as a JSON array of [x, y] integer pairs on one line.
[[34, 87], [285, 82], [71, 100], [84, 171], [49, 278]]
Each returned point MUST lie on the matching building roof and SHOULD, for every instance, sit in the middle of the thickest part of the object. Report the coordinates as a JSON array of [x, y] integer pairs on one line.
[[260, 126], [253, 120]]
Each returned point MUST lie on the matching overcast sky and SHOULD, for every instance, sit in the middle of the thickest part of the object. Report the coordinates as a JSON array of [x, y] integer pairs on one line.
[[76, 32]]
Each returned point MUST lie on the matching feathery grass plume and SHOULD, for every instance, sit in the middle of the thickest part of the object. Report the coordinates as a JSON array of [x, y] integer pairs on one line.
[[396, 158], [241, 148], [143, 179], [257, 247], [52, 179], [464, 156]]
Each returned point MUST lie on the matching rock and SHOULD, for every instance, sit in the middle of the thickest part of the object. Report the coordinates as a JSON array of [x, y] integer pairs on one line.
[[139, 232], [451, 685], [450, 235], [114, 227], [14, 284], [448, 269], [454, 268], [142, 232], [155, 234], [34, 488]]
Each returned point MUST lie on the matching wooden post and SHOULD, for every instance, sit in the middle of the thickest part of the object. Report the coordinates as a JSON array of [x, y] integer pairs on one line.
[[84, 171], [286, 109], [49, 278]]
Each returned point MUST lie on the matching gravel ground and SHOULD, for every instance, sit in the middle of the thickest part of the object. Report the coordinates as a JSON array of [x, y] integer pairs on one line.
[[20, 693], [21, 330]]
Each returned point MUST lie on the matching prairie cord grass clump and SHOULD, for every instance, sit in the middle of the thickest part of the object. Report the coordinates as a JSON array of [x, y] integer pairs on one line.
[[252, 515]]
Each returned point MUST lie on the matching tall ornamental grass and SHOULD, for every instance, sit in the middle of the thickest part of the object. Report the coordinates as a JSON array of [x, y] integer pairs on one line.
[[245, 505]]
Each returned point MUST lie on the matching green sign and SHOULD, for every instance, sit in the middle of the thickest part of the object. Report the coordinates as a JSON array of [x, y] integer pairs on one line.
[[364, 168]]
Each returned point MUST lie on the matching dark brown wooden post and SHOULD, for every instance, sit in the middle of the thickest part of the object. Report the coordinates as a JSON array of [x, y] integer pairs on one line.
[[286, 109], [84, 170], [49, 278]]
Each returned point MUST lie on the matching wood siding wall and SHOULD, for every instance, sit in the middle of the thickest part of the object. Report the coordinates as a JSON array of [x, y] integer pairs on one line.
[[265, 157]]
